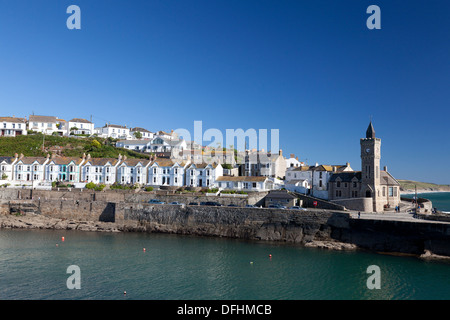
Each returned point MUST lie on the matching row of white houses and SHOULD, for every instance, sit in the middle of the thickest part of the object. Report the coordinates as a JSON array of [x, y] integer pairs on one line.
[[20, 170], [16, 126]]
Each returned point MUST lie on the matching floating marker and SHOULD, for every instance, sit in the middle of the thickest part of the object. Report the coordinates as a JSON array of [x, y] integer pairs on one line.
[[270, 256], [143, 249], [62, 238], [251, 262]]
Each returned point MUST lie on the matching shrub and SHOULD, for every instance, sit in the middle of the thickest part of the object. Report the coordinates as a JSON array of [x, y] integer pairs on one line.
[[90, 185], [148, 188], [99, 187]]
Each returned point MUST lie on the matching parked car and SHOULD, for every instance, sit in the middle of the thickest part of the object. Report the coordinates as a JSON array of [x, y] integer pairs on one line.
[[276, 206], [177, 203], [211, 203], [297, 208], [250, 206], [156, 201], [233, 205], [193, 203]]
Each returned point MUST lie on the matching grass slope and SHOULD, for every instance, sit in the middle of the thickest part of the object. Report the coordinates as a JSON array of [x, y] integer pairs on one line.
[[31, 146]]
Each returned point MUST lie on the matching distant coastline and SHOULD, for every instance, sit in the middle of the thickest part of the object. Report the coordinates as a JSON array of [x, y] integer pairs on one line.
[[410, 187]]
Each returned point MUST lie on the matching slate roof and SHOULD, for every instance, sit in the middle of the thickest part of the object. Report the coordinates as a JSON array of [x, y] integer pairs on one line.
[[242, 178]]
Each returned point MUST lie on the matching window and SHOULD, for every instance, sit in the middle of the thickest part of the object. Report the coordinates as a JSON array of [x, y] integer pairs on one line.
[[320, 183], [207, 172], [354, 184], [391, 191], [154, 179], [338, 184], [254, 184], [176, 171], [176, 180]]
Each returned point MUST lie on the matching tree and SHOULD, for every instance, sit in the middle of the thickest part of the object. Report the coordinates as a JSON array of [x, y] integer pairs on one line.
[[138, 135], [96, 144]]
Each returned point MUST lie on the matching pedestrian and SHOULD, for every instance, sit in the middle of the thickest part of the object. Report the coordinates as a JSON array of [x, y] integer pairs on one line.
[[359, 215]]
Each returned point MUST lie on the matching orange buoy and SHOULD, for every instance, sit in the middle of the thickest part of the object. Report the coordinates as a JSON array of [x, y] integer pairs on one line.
[[144, 249], [62, 238], [270, 256]]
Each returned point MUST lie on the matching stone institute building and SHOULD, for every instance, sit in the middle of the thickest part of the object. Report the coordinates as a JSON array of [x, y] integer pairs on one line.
[[371, 189]]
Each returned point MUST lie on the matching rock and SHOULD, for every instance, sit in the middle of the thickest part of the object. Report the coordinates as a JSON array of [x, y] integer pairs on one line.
[[332, 245]]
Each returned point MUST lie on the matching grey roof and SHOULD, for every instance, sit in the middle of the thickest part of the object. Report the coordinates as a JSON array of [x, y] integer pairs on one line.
[[278, 194], [8, 160], [370, 133], [388, 179], [346, 176]]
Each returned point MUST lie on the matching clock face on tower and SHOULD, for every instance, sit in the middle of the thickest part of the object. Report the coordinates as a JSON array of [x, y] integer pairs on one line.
[[367, 150]]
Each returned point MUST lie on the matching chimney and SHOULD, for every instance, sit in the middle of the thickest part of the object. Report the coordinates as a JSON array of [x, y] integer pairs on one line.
[[21, 156], [89, 156], [385, 168], [280, 152], [84, 156], [16, 155], [292, 155]]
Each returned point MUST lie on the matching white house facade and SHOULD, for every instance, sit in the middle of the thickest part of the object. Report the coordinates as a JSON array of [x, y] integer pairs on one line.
[[113, 131], [63, 169], [30, 169], [245, 183], [47, 125], [203, 174], [132, 171], [99, 170], [80, 126], [165, 172], [6, 168], [12, 127]]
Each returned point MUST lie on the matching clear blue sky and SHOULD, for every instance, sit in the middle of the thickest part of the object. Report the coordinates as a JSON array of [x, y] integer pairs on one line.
[[311, 69]]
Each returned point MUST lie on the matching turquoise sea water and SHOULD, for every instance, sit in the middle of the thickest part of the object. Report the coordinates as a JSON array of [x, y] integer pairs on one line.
[[440, 200], [33, 265]]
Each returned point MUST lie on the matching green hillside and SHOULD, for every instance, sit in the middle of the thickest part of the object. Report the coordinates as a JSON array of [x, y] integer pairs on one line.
[[410, 185], [31, 146]]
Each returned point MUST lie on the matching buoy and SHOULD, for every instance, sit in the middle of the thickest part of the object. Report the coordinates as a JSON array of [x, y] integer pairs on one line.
[[62, 238], [124, 293], [270, 256], [56, 244], [144, 249], [251, 262]]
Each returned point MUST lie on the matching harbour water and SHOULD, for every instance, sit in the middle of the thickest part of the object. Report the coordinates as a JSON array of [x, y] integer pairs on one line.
[[440, 200], [34, 263]]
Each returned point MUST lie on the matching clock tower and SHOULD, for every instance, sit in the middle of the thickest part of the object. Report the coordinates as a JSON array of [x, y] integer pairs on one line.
[[370, 167]]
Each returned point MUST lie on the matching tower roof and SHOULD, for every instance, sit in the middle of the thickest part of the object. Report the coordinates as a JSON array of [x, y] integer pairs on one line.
[[370, 133]]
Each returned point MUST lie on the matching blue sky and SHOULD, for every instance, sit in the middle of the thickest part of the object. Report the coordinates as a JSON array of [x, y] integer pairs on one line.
[[311, 69]]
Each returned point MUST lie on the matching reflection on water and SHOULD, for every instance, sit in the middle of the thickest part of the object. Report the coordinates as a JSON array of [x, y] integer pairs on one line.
[[33, 265]]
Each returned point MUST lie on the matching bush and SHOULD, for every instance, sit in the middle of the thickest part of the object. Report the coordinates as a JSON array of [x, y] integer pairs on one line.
[[148, 188], [99, 187], [90, 185]]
